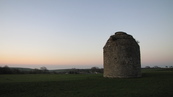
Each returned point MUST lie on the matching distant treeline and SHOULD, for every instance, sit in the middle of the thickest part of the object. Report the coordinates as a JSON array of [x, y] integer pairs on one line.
[[44, 70], [8, 70], [158, 67], [93, 70]]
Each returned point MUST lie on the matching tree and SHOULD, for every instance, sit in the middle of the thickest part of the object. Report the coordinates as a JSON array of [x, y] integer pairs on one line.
[[147, 67], [156, 67], [6, 70], [94, 69], [44, 69], [35, 71]]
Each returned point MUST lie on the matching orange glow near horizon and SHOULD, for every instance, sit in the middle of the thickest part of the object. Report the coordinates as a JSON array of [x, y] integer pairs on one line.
[[54, 60]]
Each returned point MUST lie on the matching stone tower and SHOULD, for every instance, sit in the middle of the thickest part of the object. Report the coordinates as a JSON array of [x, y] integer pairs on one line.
[[121, 57]]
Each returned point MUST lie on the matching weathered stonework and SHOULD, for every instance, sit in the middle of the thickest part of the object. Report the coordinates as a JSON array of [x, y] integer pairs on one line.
[[121, 57]]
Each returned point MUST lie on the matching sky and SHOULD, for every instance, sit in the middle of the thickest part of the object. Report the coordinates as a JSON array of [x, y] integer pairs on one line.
[[71, 33]]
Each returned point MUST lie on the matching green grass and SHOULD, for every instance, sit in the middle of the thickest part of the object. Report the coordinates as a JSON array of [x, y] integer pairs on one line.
[[153, 84]]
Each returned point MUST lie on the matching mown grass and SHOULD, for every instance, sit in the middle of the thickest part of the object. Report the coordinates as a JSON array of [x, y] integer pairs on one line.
[[152, 84]]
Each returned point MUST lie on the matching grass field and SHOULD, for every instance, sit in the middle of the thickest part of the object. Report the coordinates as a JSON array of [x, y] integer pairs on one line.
[[154, 83]]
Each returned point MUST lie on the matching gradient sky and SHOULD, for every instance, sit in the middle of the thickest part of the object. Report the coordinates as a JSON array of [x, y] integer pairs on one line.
[[72, 33]]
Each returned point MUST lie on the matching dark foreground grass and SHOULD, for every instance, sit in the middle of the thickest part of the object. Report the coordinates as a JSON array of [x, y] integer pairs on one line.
[[152, 84]]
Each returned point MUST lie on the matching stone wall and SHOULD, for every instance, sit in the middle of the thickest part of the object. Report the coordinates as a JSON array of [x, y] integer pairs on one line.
[[121, 57]]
